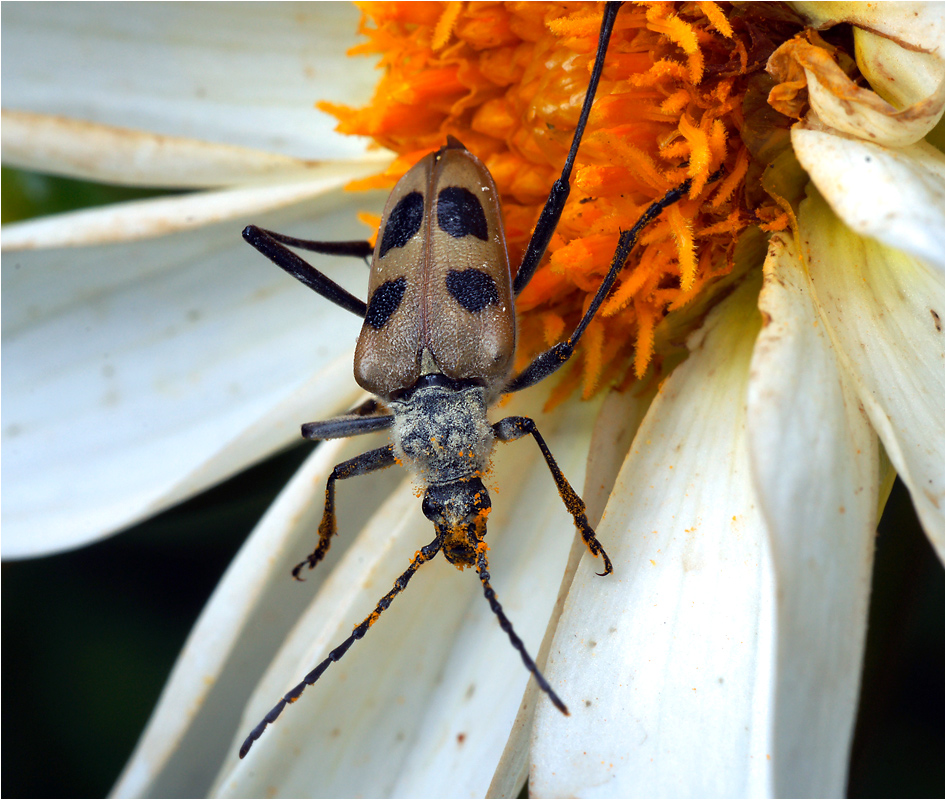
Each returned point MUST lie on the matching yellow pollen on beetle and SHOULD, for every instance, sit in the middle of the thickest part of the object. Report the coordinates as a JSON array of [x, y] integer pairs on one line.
[[508, 80]]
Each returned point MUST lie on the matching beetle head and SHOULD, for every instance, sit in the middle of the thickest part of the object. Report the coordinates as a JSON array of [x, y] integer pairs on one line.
[[459, 510]]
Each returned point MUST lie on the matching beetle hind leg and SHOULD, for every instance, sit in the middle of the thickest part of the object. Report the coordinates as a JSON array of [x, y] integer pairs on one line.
[[273, 246], [512, 428]]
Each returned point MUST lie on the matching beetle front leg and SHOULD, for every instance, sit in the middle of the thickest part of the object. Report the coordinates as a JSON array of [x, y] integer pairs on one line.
[[352, 424], [359, 465], [512, 428]]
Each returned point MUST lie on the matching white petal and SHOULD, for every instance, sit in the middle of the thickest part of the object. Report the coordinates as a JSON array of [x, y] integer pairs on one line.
[[125, 222], [815, 464], [666, 664], [410, 721], [894, 196], [137, 374], [235, 73], [255, 604], [899, 75], [919, 25], [618, 420], [884, 312], [92, 151]]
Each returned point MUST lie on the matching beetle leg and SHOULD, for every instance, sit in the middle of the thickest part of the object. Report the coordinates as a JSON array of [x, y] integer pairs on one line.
[[424, 555], [272, 245], [371, 407], [359, 248], [506, 625], [552, 211], [351, 424], [512, 428], [359, 465]]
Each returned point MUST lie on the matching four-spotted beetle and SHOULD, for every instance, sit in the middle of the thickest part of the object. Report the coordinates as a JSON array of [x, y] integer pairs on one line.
[[437, 348]]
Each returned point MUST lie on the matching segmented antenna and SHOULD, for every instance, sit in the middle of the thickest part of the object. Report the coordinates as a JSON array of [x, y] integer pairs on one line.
[[424, 555], [504, 623]]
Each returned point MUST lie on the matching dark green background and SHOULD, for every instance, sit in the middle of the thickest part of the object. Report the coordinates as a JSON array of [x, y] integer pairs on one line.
[[90, 636]]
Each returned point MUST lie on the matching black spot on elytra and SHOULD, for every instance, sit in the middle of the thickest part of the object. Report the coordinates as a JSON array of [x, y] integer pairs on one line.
[[460, 213], [384, 302], [403, 222], [473, 289]]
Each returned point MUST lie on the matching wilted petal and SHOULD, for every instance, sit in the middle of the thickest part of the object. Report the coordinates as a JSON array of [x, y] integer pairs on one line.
[[901, 76], [235, 73], [815, 462], [893, 195], [104, 153], [843, 106], [409, 722], [917, 25], [884, 313], [142, 219], [666, 663], [140, 373]]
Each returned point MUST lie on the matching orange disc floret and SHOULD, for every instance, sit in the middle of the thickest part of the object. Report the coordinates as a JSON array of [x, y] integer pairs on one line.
[[508, 80]]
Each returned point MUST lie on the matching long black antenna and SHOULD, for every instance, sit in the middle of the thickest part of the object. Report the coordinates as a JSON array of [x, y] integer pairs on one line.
[[504, 623], [552, 211], [424, 555]]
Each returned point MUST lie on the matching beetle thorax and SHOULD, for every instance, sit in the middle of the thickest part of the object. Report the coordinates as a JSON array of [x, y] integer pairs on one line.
[[442, 433]]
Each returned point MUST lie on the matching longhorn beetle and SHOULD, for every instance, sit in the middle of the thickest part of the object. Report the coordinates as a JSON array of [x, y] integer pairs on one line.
[[437, 347]]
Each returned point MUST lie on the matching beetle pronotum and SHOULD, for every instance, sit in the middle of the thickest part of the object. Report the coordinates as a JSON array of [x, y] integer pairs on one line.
[[437, 348]]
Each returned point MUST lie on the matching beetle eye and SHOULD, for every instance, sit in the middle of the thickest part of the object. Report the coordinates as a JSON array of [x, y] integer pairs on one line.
[[433, 509]]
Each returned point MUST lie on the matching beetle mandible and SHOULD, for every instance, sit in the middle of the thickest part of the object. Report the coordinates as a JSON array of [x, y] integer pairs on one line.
[[437, 347]]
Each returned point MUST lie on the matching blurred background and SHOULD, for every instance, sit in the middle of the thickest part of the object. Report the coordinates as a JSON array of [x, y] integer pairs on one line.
[[91, 635]]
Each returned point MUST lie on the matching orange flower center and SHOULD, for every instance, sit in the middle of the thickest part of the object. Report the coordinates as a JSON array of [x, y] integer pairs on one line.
[[508, 80]]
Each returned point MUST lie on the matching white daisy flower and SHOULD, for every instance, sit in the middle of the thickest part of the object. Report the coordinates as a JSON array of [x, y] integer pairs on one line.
[[776, 338]]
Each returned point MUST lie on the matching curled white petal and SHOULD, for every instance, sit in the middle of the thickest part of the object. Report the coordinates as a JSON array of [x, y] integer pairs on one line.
[[92, 151], [893, 195], [919, 25], [809, 74], [900, 75], [143, 219]]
